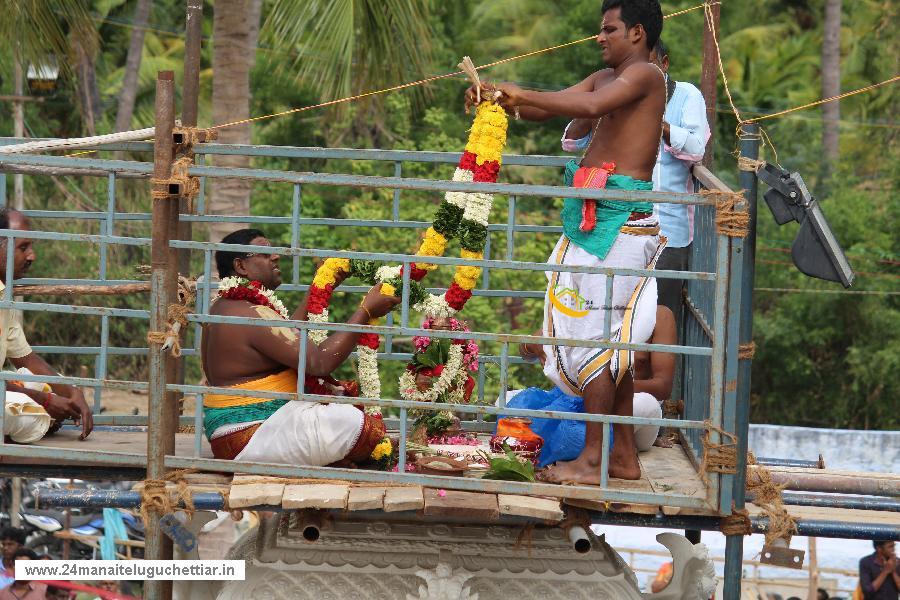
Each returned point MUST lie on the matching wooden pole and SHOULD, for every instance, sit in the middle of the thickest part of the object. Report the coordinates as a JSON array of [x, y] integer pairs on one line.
[[162, 414], [813, 571], [709, 77]]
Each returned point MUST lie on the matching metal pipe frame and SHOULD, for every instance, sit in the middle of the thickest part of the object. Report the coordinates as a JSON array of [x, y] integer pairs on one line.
[[759, 525], [713, 309]]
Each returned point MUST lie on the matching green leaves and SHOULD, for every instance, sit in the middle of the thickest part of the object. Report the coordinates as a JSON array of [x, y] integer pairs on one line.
[[508, 468]]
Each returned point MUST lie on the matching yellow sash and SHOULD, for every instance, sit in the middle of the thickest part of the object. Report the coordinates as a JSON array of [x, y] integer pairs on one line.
[[285, 381]]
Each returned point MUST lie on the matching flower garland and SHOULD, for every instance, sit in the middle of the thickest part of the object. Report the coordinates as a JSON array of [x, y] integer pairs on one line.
[[254, 292], [453, 373], [461, 214]]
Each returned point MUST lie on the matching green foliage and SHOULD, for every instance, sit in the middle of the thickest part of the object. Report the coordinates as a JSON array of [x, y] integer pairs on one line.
[[825, 359], [509, 467]]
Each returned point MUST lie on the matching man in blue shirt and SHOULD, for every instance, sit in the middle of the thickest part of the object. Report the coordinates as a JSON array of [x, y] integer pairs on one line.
[[684, 136], [685, 133]]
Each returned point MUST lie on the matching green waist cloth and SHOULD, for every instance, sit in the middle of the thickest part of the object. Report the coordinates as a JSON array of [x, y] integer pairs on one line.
[[213, 418], [611, 214]]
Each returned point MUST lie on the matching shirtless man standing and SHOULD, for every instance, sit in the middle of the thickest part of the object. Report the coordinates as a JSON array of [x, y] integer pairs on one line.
[[627, 101], [296, 432]]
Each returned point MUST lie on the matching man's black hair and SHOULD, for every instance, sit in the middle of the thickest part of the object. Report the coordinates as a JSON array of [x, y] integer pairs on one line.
[[225, 258], [4, 217], [17, 534], [23, 551], [646, 12], [661, 50], [879, 543]]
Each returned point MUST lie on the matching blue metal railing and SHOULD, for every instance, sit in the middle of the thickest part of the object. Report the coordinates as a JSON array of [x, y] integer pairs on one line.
[[705, 339]]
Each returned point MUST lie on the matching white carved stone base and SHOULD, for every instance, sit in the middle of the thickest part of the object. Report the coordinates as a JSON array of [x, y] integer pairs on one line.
[[358, 559]]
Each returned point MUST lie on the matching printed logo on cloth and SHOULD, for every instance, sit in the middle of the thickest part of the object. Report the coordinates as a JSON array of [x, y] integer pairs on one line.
[[572, 304]]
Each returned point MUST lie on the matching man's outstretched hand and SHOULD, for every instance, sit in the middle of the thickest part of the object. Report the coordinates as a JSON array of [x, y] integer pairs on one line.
[[74, 407], [378, 304]]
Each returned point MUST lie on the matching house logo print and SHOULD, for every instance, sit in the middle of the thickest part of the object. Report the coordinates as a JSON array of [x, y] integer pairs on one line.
[[569, 302]]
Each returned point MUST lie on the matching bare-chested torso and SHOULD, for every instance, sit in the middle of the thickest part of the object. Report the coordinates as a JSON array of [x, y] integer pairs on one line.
[[231, 353], [629, 136]]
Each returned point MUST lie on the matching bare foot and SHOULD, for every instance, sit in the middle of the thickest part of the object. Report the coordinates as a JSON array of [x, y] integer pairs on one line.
[[663, 441], [624, 466], [579, 470]]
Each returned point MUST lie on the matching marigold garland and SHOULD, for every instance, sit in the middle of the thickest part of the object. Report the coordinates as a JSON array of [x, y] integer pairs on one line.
[[462, 214]]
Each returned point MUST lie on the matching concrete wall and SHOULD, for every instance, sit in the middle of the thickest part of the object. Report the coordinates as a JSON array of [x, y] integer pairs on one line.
[[877, 451]]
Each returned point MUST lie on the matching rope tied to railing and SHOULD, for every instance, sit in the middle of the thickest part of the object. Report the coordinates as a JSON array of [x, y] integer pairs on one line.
[[737, 523], [747, 351], [176, 318], [185, 185], [718, 458], [732, 217], [768, 497], [155, 496], [749, 164], [673, 407]]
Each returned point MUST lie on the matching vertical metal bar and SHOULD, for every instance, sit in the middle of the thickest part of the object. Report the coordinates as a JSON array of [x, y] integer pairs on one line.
[[604, 456], [485, 273], [709, 75], [404, 304], [734, 545], [510, 227], [401, 454], [161, 436], [504, 367], [295, 233], [106, 226], [395, 209], [717, 360], [198, 425], [389, 338], [10, 267], [101, 367], [200, 160], [608, 307], [301, 361], [2, 189], [481, 381]]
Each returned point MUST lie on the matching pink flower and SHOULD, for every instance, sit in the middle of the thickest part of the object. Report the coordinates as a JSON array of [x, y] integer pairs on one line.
[[442, 493], [421, 343]]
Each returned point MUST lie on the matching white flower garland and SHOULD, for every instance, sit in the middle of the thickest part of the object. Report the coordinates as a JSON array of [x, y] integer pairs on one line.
[[229, 283], [454, 373], [435, 306], [317, 336], [367, 371], [478, 207]]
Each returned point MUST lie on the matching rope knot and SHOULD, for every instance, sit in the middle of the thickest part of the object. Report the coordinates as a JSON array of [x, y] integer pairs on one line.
[[732, 217]]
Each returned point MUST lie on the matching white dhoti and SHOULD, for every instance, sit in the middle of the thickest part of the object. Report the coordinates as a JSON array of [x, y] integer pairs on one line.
[[24, 421], [574, 306], [305, 433], [648, 407]]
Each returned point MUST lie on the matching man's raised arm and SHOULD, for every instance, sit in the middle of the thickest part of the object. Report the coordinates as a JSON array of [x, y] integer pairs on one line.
[[533, 113], [282, 344], [629, 87]]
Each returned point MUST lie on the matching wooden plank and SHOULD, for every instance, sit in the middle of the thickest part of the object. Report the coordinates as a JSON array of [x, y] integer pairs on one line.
[[846, 515], [548, 509], [366, 498], [133, 442], [670, 470], [319, 495], [403, 498], [474, 506], [255, 494], [617, 507]]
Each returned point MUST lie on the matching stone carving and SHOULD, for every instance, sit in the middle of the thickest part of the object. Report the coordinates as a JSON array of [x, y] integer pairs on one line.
[[442, 584], [414, 560], [693, 573]]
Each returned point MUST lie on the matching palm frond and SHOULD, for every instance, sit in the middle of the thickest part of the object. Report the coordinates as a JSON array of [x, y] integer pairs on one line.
[[40, 29]]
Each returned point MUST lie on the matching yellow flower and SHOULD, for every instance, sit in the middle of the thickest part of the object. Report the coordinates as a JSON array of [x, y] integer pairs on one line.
[[327, 273], [467, 277], [382, 450], [388, 290], [463, 253], [434, 244]]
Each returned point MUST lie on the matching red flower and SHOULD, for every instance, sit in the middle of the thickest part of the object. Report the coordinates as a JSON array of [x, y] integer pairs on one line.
[[318, 299], [457, 297], [369, 340], [487, 172], [467, 161], [416, 274], [470, 386]]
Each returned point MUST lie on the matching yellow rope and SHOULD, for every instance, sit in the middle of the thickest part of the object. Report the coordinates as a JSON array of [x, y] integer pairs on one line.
[[430, 79], [893, 79]]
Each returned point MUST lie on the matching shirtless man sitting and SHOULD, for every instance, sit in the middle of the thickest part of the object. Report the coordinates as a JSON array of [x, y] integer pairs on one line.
[[627, 101], [298, 432]]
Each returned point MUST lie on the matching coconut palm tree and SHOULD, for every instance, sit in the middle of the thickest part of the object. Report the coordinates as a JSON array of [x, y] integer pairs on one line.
[[831, 79], [342, 47]]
